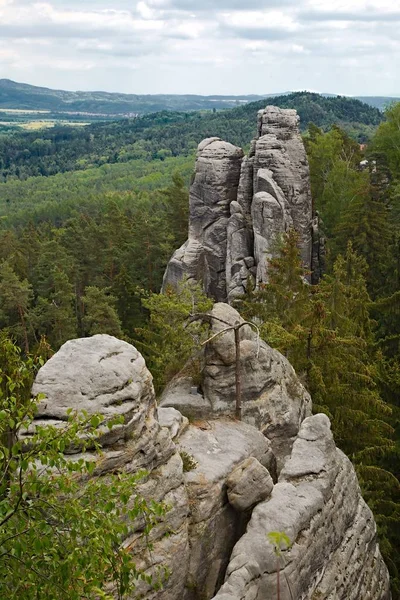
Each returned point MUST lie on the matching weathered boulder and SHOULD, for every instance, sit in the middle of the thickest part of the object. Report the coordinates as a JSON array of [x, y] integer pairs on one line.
[[173, 420], [249, 484], [317, 503], [102, 374], [273, 399], [203, 257]]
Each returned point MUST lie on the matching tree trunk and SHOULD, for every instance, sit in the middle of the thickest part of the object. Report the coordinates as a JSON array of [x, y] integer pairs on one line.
[[238, 379]]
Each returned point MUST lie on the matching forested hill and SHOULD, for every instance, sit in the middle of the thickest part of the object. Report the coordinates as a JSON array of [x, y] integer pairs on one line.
[[30, 97], [164, 134]]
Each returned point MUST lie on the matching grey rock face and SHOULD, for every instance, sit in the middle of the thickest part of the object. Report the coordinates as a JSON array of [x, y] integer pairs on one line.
[[203, 257], [104, 375], [275, 185], [240, 207], [217, 447], [318, 504]]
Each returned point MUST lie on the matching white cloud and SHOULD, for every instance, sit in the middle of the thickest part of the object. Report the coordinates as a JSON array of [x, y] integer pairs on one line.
[[207, 46]]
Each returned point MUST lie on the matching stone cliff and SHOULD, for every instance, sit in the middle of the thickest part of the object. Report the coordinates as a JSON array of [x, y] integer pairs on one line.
[[240, 206], [277, 469]]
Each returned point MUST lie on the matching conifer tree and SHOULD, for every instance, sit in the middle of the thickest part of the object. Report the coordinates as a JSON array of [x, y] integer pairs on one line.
[[15, 303], [170, 339], [55, 315], [100, 315]]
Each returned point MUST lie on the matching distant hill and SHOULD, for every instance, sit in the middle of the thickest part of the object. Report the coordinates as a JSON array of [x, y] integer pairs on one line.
[[29, 97], [164, 134], [22, 96], [380, 102]]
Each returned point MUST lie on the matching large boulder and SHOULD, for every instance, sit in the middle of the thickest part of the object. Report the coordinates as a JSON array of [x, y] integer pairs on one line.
[[102, 374], [317, 503], [249, 484]]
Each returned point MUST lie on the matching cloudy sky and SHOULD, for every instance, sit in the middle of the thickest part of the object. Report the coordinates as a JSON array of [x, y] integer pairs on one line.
[[203, 46]]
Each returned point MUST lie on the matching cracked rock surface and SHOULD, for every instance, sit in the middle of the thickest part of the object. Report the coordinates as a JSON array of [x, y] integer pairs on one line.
[[273, 399], [102, 374]]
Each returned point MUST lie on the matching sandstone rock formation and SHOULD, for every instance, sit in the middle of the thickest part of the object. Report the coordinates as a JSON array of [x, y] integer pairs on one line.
[[239, 207], [214, 188], [318, 504], [226, 483], [104, 375], [273, 399]]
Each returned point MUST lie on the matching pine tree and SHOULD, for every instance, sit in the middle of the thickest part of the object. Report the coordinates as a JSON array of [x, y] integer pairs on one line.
[[55, 315], [170, 339], [15, 304], [100, 315]]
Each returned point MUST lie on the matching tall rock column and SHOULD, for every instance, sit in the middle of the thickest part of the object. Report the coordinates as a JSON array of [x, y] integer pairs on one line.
[[274, 196], [289, 165], [240, 207], [203, 257]]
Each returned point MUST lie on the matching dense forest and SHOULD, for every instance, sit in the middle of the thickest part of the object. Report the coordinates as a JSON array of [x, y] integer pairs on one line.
[[166, 134], [84, 251]]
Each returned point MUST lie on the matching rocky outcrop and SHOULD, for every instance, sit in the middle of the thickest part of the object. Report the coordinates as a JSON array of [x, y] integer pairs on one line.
[[226, 483], [240, 207], [273, 399], [215, 448], [108, 376], [318, 504]]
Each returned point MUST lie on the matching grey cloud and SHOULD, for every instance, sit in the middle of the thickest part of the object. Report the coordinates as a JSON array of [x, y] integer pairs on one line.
[[46, 30], [222, 5], [256, 33], [127, 50], [361, 16]]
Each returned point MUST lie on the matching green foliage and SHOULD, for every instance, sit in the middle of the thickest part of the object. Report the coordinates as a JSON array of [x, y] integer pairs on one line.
[[54, 199], [336, 180], [62, 527], [171, 338], [189, 463], [387, 139], [99, 312], [279, 540]]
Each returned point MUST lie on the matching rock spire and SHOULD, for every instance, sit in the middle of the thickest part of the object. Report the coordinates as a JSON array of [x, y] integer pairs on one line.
[[240, 206]]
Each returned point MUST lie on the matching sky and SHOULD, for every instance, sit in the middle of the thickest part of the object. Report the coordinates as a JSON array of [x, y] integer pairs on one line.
[[347, 47]]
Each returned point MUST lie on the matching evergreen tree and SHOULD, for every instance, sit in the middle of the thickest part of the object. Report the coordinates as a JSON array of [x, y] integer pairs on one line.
[[55, 315], [176, 201], [170, 339], [100, 315], [15, 304]]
